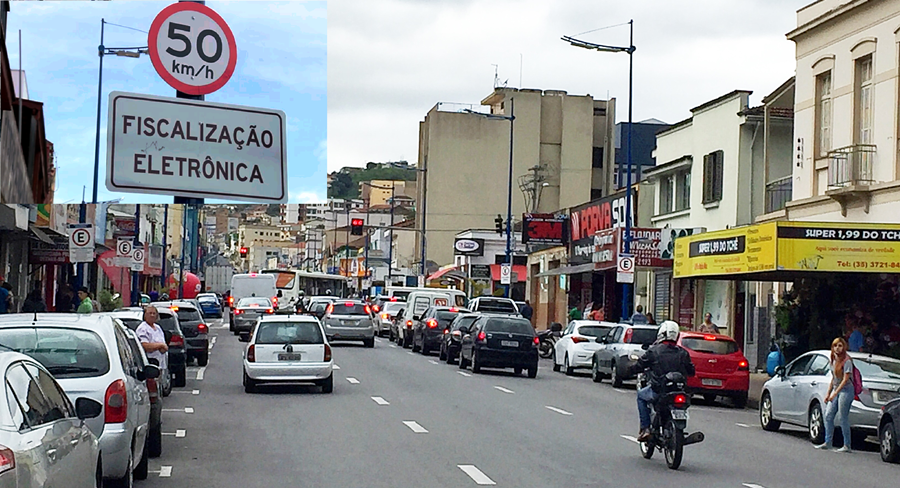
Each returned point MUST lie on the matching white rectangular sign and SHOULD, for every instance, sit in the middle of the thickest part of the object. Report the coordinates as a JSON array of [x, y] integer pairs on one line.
[[505, 274], [625, 268], [197, 149], [137, 259], [123, 252], [81, 243]]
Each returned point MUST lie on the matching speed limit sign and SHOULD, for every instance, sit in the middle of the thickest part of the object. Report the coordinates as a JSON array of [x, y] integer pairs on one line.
[[192, 48]]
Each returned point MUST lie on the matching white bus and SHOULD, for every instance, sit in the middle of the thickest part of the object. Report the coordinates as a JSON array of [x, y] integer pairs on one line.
[[290, 282]]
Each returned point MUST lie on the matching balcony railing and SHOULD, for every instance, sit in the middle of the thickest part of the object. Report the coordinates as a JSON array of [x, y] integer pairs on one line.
[[851, 165], [778, 193]]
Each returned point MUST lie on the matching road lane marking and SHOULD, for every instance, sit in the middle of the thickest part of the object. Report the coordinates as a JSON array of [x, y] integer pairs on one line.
[[415, 427], [201, 372], [742, 425], [622, 391], [394, 346], [353, 381], [504, 390], [380, 401], [214, 339], [335, 366], [177, 434], [477, 476], [464, 373], [410, 353], [432, 361], [752, 485], [165, 471], [558, 410], [630, 438], [184, 410], [192, 392]]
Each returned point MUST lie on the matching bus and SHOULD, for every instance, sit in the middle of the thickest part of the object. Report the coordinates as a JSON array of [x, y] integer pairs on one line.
[[290, 282]]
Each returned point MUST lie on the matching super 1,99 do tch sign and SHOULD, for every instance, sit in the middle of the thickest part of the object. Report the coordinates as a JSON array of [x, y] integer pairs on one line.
[[192, 48]]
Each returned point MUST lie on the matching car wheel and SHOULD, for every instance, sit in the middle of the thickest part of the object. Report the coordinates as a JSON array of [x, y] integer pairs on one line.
[[709, 397], [740, 400], [568, 369], [766, 420], [442, 354], [424, 349], [154, 442], [816, 424], [556, 367], [180, 379], [415, 347], [140, 471], [614, 376], [890, 453], [596, 376], [476, 368], [327, 384], [167, 390], [370, 343], [249, 384], [203, 359], [532, 371]]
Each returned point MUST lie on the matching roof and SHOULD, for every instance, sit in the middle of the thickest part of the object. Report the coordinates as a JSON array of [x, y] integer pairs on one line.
[[788, 84], [721, 99], [70, 320]]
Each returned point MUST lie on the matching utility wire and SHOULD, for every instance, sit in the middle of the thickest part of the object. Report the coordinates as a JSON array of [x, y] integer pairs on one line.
[[601, 28], [126, 27]]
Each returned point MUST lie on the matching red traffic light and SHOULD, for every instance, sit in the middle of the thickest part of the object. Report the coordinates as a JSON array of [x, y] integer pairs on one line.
[[244, 251], [356, 227], [356, 222]]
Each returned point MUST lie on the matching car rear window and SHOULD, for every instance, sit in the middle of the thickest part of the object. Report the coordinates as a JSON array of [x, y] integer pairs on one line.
[[254, 302], [207, 299], [188, 315], [717, 346], [392, 306], [349, 308], [466, 321], [878, 368], [496, 306], [511, 326], [288, 333], [594, 330], [643, 336], [66, 353], [401, 295], [167, 322], [445, 317]]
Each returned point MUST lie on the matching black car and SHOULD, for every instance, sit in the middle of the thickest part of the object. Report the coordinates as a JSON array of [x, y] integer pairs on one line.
[[496, 341], [889, 431], [431, 328], [452, 340], [196, 332]]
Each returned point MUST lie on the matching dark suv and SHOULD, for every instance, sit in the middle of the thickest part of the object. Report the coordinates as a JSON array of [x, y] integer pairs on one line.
[[496, 341], [196, 332], [429, 330]]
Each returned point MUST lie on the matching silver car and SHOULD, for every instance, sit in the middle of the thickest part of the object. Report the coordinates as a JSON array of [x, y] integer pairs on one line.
[[288, 349], [619, 349], [349, 320], [795, 395], [44, 439], [90, 356], [247, 311]]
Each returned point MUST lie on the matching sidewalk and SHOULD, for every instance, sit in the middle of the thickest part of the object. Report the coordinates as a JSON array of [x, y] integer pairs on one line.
[[756, 383]]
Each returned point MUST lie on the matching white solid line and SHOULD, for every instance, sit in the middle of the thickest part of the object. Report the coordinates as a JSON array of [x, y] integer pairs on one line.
[[186, 392], [464, 373], [380, 401], [415, 427], [353, 381], [629, 438], [165, 471], [504, 390], [182, 410], [432, 361], [201, 372], [335, 366], [477, 476], [178, 433], [742, 425], [210, 346], [557, 410]]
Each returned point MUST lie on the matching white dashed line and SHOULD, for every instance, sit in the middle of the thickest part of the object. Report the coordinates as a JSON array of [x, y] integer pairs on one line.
[[557, 410], [432, 361], [335, 366], [183, 410], [188, 409], [629, 438], [415, 427], [177, 434], [186, 392], [742, 425], [201, 372], [353, 381], [214, 339], [752, 485], [410, 353], [165, 471], [504, 390], [477, 476], [464, 373], [380, 401]]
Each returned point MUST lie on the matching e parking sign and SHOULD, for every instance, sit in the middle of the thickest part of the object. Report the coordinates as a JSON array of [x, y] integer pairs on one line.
[[81, 243]]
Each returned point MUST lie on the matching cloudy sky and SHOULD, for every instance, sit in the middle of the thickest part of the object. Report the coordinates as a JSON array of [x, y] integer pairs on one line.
[[281, 65], [391, 61]]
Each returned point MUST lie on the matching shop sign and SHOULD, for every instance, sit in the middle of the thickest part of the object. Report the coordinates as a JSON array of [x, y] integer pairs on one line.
[[606, 249], [124, 227], [744, 250], [155, 257], [646, 246], [547, 229], [481, 272], [867, 248], [468, 247], [586, 220], [43, 253]]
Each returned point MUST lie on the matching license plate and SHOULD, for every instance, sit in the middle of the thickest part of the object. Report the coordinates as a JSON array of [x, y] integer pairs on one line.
[[711, 382], [679, 415], [348, 322], [288, 357], [509, 343]]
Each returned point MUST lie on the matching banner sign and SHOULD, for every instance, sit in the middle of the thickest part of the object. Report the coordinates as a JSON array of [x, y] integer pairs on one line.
[[480, 272], [868, 248], [587, 219], [42, 253], [748, 249], [547, 229], [647, 247]]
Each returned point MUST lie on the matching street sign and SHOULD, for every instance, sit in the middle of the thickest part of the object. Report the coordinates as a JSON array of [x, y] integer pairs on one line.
[[123, 253], [137, 259], [625, 269], [505, 274], [81, 243], [421, 281], [195, 149], [192, 48]]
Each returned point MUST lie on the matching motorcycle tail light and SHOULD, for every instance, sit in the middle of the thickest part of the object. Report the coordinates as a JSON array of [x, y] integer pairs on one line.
[[482, 336], [680, 399], [431, 323]]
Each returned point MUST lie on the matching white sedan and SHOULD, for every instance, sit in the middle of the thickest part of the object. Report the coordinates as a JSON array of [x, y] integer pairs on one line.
[[288, 349], [576, 347]]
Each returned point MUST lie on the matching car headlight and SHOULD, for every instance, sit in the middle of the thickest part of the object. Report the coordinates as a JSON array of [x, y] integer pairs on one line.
[[634, 356]]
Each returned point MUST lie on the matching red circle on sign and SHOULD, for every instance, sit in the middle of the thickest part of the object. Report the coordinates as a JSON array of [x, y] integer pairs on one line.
[[76, 239], [161, 69]]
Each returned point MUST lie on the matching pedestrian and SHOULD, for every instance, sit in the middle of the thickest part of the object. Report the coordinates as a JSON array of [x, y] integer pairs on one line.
[[10, 297], [856, 340], [152, 338], [638, 316], [650, 319], [4, 297], [154, 296], [596, 312], [85, 305], [33, 302], [708, 327], [574, 313], [63, 301], [527, 311], [840, 394], [774, 359]]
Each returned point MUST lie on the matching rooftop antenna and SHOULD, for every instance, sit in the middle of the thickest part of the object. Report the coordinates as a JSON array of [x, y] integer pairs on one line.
[[520, 70], [496, 76]]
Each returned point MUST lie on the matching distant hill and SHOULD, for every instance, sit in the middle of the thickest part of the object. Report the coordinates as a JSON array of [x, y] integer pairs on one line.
[[345, 183]]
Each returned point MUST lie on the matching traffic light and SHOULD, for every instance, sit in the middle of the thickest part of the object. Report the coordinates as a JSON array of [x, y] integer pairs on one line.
[[498, 224], [244, 252], [356, 227]]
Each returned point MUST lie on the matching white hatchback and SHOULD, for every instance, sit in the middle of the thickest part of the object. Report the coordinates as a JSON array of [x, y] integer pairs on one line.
[[576, 347], [288, 349]]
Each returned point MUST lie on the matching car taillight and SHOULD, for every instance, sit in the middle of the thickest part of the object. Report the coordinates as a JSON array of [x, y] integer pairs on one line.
[[270, 311], [393, 299], [7, 459], [446, 331], [176, 340], [348, 304], [376, 308], [329, 309], [153, 390], [709, 337], [743, 365], [327, 352], [384, 316], [454, 309], [577, 339], [482, 336], [680, 399], [251, 353], [408, 324], [116, 402], [536, 341], [230, 301], [202, 328], [238, 311], [368, 310], [431, 323], [274, 301], [628, 334]]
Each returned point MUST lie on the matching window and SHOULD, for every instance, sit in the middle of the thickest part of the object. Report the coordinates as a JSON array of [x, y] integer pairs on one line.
[[798, 367], [820, 366], [597, 159], [683, 190], [713, 165], [596, 193], [823, 113], [864, 100], [667, 194], [718, 346]]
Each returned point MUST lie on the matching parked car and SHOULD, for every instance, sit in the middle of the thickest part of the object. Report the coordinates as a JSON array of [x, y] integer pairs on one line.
[[386, 315], [889, 431], [210, 305], [619, 349], [66, 453], [247, 311], [494, 305], [317, 308], [288, 349], [498, 341], [154, 427], [175, 368], [430, 329], [196, 332], [452, 340], [576, 347], [349, 320], [721, 368], [795, 395], [90, 356]]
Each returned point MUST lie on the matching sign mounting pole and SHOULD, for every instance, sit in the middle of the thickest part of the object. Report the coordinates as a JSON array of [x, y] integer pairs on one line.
[[180, 94]]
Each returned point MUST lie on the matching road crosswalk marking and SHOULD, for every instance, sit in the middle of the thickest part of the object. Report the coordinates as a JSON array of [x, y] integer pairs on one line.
[[380, 401]]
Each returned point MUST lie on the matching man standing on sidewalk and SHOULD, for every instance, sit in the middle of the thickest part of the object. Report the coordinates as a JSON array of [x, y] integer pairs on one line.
[[85, 305]]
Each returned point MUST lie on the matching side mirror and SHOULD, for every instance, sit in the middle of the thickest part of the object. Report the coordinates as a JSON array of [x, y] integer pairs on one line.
[[87, 408], [150, 371], [417, 317], [779, 371], [280, 294], [645, 346], [463, 330], [245, 337]]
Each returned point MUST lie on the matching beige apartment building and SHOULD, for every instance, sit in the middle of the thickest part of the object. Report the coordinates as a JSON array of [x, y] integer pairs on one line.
[[565, 142], [378, 192]]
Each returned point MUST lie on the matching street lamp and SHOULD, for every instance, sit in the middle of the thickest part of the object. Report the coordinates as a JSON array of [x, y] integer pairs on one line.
[[630, 50], [511, 118]]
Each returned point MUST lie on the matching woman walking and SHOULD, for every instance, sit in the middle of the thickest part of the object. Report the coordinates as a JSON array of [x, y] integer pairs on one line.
[[840, 394]]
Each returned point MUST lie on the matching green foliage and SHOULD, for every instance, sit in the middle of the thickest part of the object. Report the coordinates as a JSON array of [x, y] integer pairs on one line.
[[107, 303], [273, 210], [346, 184]]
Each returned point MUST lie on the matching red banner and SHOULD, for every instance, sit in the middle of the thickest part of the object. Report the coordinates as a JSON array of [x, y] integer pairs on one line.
[[119, 277]]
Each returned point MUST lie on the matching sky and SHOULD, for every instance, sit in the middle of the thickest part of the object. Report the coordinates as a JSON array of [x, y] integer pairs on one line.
[[391, 61], [282, 57]]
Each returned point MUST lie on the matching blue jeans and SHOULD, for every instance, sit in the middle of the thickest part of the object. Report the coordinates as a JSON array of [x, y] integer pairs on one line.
[[645, 396], [841, 403]]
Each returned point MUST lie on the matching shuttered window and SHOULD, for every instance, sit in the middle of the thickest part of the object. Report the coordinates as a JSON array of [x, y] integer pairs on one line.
[[662, 286], [713, 166]]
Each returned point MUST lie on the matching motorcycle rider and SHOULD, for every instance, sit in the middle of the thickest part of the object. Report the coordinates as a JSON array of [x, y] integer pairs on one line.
[[663, 357]]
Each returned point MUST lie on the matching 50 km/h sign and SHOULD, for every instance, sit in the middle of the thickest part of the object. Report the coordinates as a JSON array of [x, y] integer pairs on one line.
[[192, 48]]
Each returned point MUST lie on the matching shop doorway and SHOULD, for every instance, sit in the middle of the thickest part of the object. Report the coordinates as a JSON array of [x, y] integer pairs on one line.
[[739, 303]]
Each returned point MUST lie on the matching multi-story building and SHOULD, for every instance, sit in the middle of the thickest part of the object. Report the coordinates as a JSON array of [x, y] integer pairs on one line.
[[565, 140], [380, 192]]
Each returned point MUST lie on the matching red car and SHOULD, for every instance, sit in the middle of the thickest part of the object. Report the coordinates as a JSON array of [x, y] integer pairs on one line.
[[721, 367]]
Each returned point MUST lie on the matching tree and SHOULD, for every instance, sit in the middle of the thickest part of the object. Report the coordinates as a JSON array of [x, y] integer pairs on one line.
[[343, 186]]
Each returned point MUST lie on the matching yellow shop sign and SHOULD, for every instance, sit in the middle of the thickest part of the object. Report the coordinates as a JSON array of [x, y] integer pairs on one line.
[[748, 249]]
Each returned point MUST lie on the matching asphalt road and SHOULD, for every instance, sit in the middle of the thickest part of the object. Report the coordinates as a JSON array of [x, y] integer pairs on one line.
[[401, 419]]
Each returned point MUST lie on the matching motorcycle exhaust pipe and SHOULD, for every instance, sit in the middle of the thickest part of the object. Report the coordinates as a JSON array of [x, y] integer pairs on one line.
[[694, 438]]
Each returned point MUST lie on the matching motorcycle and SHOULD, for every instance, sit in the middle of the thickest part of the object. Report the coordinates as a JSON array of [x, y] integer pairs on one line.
[[669, 418], [547, 340]]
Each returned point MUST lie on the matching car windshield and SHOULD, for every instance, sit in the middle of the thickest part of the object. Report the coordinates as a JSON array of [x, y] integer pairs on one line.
[[465, 322], [254, 302], [66, 353], [349, 308], [401, 295], [878, 368], [188, 315], [594, 330], [510, 325], [501, 306], [643, 336], [288, 333], [717, 346]]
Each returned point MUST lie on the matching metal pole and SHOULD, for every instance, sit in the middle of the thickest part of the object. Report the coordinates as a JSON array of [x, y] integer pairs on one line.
[[183, 235], [82, 217], [99, 101], [626, 287], [509, 199], [367, 242], [135, 275], [178, 94], [20, 95], [422, 210], [391, 241], [165, 239]]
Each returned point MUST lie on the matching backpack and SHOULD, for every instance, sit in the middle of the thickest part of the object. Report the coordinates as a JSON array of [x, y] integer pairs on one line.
[[857, 382]]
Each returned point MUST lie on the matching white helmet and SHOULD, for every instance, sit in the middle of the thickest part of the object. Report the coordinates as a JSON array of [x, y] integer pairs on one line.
[[668, 331]]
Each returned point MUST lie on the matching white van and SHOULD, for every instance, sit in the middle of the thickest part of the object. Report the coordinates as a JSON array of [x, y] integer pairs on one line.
[[250, 285], [417, 302]]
